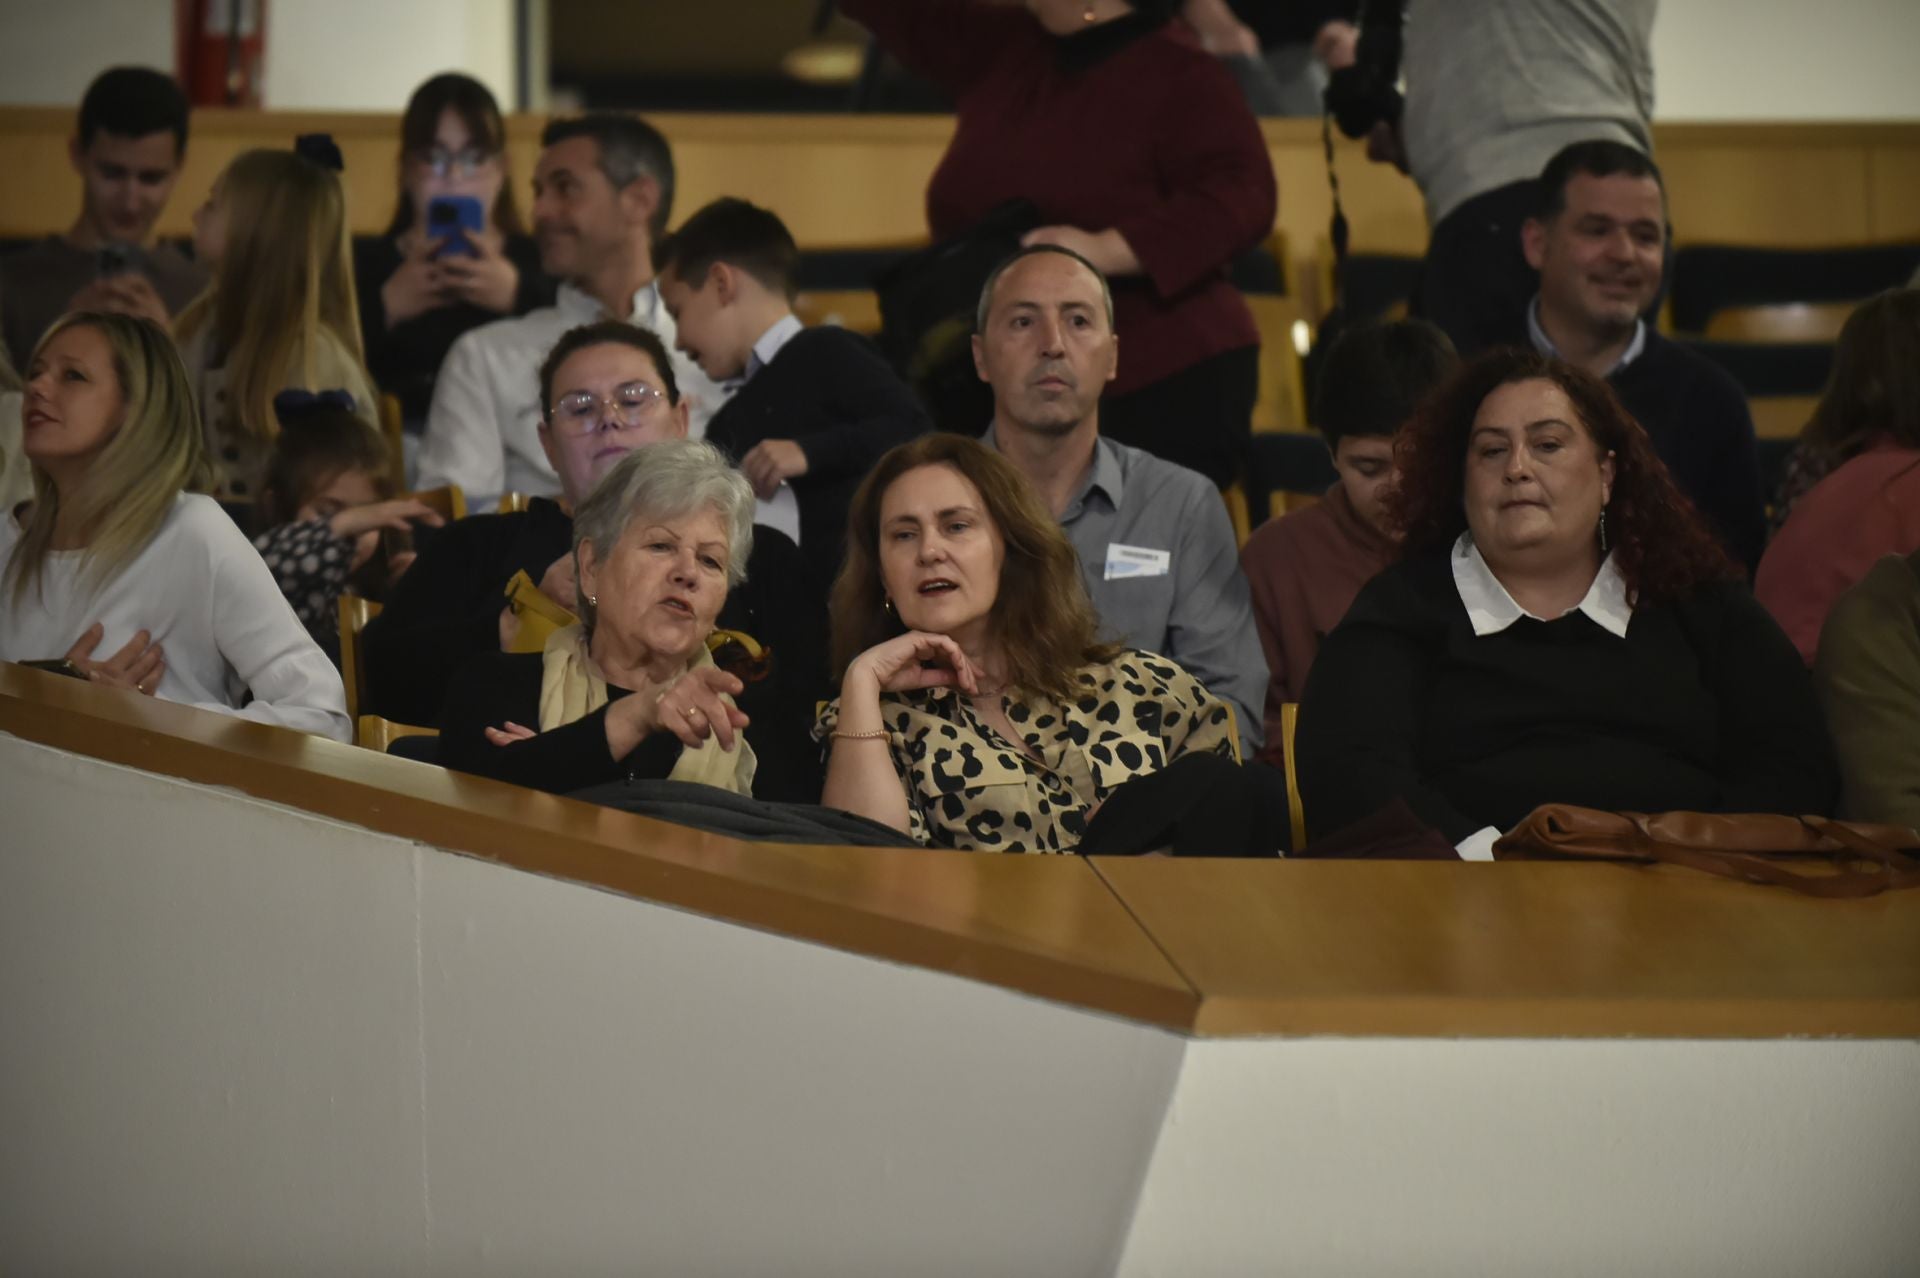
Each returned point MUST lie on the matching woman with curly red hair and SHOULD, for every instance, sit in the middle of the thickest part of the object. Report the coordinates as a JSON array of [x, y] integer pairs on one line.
[[1561, 628]]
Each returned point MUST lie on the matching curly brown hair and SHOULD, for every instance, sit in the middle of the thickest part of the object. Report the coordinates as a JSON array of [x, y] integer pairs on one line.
[[1042, 617], [1660, 544]]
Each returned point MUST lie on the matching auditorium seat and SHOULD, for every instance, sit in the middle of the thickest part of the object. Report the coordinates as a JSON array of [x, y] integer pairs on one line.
[[393, 430], [1770, 369], [448, 502], [1781, 416], [855, 309], [1708, 278], [1377, 285], [355, 613], [1780, 322], [1286, 470]]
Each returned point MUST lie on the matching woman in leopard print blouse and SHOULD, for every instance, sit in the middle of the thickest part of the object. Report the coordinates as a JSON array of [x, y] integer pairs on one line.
[[976, 709]]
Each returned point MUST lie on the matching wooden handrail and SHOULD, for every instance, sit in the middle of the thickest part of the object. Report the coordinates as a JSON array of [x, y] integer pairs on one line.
[[1209, 947]]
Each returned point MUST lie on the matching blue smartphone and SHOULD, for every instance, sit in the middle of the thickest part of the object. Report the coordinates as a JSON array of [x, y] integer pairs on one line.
[[454, 218]]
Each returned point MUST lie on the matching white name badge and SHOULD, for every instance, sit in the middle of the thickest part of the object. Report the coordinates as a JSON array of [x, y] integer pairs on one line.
[[1136, 561]]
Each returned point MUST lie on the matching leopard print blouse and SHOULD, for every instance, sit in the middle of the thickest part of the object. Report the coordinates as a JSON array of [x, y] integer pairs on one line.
[[969, 787]]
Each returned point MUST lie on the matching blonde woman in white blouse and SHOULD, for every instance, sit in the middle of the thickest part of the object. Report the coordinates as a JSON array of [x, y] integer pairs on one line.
[[113, 564]]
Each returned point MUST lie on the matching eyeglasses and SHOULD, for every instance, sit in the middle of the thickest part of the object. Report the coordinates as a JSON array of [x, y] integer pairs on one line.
[[462, 163], [582, 412]]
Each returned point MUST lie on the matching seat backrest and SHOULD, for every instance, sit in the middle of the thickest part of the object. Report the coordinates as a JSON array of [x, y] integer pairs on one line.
[[1713, 277], [375, 733], [1296, 815], [1768, 369], [392, 429], [1781, 416], [1281, 466], [1780, 322], [857, 310], [449, 502], [1281, 403], [355, 613]]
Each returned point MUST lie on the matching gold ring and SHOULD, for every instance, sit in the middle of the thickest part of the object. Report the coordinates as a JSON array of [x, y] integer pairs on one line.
[[695, 713]]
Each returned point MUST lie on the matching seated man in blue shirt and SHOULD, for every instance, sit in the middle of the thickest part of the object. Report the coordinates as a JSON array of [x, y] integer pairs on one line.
[[1156, 548], [814, 408]]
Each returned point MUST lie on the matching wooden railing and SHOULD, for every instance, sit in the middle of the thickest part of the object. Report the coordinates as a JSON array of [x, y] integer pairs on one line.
[[1205, 947]]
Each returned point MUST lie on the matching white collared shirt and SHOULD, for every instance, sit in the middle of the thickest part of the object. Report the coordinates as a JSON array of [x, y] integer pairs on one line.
[[483, 430], [1491, 609], [782, 510], [783, 331], [1544, 344]]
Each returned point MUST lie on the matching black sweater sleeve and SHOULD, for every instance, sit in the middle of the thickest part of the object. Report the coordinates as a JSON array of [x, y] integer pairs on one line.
[[498, 688], [1731, 500], [1356, 745], [1775, 752], [871, 409], [440, 613]]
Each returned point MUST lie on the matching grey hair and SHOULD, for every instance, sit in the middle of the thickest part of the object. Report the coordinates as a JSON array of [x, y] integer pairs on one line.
[[993, 281], [664, 481]]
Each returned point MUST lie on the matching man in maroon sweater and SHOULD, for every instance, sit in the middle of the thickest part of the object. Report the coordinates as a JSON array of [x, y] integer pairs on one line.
[[1306, 567], [1140, 154]]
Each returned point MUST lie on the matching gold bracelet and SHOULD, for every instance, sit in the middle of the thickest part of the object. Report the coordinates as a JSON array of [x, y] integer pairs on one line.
[[875, 735]]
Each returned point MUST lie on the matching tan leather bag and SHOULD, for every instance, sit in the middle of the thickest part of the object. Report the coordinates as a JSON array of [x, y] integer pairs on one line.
[[1857, 859]]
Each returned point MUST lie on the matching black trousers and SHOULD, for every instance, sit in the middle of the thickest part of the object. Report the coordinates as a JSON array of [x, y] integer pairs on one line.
[[1475, 283], [1200, 417]]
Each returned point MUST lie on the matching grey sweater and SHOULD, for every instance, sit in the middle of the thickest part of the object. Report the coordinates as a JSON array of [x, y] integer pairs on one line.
[[1496, 87]]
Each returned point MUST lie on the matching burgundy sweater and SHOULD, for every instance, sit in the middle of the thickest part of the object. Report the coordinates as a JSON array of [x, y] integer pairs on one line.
[[1129, 125]]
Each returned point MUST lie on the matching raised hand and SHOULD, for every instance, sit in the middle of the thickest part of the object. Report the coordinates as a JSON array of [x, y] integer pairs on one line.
[[911, 661]]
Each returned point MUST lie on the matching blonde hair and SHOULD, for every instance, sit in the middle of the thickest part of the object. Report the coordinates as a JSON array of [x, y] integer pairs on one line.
[[156, 453], [286, 275]]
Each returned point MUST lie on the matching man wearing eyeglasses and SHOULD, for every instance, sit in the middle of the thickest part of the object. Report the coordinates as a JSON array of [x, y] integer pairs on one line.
[[602, 193], [609, 388]]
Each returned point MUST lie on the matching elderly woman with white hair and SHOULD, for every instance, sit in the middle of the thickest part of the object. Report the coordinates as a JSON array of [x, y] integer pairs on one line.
[[632, 690]]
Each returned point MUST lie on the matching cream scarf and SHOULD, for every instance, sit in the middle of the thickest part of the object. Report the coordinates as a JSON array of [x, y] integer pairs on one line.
[[570, 690]]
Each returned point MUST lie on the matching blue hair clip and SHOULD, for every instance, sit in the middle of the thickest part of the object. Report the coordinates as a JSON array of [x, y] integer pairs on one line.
[[292, 405], [320, 148]]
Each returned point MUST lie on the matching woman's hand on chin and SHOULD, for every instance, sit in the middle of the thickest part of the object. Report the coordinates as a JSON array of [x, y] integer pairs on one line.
[[911, 661]]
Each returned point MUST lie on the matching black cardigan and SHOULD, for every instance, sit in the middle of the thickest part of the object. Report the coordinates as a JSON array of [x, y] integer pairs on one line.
[[497, 688], [830, 391], [446, 608], [1703, 706]]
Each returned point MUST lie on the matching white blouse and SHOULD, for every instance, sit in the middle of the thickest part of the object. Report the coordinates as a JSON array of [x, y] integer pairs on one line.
[[204, 594]]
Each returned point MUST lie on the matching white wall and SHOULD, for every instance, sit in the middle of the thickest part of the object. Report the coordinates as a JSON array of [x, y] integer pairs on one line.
[[240, 1039], [1787, 60], [323, 55], [368, 55], [50, 50], [1434, 1158]]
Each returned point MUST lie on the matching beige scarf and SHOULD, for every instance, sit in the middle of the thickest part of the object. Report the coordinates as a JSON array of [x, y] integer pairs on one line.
[[571, 689]]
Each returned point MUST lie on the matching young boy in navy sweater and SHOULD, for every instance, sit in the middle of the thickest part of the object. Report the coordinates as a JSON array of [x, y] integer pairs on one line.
[[814, 408]]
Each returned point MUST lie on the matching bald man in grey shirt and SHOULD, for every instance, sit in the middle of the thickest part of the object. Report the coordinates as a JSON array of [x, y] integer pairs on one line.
[[1156, 549]]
